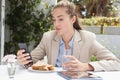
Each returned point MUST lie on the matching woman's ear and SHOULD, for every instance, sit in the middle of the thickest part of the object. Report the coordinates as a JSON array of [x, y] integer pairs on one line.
[[73, 19]]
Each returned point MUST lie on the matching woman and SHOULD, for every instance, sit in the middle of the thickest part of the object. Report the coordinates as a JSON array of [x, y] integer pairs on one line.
[[69, 35]]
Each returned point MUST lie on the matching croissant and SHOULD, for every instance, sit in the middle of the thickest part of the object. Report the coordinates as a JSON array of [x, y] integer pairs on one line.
[[43, 67]]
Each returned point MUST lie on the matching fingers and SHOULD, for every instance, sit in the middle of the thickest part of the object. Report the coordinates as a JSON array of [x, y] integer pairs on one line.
[[23, 58], [20, 51], [71, 65], [70, 57], [25, 61]]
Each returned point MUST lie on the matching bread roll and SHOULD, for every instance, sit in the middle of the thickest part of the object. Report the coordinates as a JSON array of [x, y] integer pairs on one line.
[[43, 67]]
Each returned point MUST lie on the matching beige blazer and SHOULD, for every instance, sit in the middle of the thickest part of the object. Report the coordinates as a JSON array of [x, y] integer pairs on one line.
[[85, 45]]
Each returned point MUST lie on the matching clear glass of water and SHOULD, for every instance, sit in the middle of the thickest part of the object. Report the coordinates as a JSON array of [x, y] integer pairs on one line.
[[11, 67], [66, 53]]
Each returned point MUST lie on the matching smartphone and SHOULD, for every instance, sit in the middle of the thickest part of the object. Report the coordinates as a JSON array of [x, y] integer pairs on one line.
[[24, 46]]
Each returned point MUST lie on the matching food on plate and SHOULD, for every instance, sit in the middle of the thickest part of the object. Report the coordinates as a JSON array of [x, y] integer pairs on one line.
[[35, 67], [50, 67], [43, 67]]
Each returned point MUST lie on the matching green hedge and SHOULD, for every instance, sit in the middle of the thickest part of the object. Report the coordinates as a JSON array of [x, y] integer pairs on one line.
[[98, 21]]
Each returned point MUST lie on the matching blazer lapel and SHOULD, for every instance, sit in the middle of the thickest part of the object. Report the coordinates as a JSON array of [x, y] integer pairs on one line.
[[55, 49], [77, 45]]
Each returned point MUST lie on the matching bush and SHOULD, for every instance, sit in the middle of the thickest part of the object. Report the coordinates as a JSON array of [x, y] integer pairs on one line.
[[98, 21], [26, 23]]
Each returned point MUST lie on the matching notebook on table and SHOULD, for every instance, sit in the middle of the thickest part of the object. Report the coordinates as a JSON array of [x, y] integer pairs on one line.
[[70, 75]]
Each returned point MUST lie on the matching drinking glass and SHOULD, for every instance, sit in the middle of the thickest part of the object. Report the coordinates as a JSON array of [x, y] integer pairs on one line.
[[11, 67], [66, 53]]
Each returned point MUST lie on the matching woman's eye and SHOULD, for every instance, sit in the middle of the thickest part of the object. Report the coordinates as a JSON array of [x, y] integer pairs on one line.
[[53, 20], [60, 19]]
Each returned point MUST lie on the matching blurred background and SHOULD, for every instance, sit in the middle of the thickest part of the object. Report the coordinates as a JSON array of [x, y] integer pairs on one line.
[[26, 20]]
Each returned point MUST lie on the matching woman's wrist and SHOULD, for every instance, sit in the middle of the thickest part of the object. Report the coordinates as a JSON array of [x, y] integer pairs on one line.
[[86, 67], [89, 67]]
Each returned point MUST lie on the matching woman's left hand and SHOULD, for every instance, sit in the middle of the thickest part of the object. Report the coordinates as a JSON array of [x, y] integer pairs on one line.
[[75, 65]]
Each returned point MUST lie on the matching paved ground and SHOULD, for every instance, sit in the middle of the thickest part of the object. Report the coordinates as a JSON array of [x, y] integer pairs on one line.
[[111, 42]]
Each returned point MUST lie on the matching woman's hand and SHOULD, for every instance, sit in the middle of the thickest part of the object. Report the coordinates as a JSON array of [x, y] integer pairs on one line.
[[75, 65], [23, 58]]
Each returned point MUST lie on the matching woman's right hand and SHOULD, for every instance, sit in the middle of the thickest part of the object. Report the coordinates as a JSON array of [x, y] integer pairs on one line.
[[23, 58]]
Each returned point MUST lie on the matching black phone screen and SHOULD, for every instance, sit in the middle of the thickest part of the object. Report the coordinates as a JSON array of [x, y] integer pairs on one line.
[[23, 46]]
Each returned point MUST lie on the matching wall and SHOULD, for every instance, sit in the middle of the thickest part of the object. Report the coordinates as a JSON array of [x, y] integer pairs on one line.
[[109, 30], [111, 42]]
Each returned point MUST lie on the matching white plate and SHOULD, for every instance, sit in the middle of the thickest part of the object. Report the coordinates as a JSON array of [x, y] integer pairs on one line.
[[57, 69]]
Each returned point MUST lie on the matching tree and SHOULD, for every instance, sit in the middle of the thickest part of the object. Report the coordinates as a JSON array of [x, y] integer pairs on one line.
[[95, 7], [26, 23]]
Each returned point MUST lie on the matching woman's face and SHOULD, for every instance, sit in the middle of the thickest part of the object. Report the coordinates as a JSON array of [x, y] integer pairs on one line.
[[62, 21]]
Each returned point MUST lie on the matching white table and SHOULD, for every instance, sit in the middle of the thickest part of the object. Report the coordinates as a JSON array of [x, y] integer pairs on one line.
[[24, 74]]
